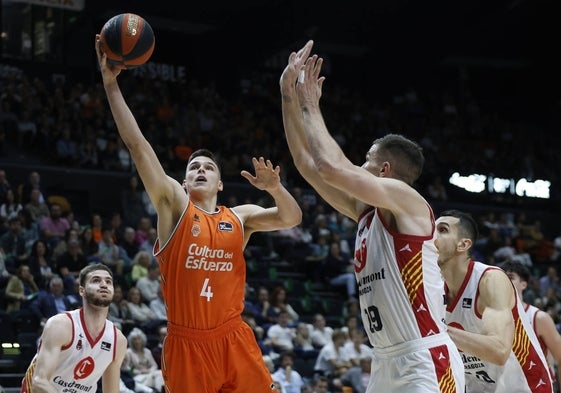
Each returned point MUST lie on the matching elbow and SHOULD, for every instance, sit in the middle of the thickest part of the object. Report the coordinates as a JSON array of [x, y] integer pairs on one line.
[[326, 170], [501, 357]]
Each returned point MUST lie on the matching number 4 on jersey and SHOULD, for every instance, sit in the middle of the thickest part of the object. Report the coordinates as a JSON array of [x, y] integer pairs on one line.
[[206, 290]]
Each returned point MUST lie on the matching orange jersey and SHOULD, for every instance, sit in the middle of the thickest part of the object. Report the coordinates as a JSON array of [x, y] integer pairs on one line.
[[203, 268]]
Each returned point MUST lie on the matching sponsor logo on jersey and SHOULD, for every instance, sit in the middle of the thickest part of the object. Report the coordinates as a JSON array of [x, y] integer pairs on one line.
[[79, 344], [105, 346], [84, 368], [209, 259], [225, 226], [196, 218], [466, 302]]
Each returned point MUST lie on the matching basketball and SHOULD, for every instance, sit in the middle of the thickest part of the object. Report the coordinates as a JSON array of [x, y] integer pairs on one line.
[[127, 40]]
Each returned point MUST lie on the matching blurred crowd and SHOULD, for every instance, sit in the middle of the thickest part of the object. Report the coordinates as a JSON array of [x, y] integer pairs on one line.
[[43, 245]]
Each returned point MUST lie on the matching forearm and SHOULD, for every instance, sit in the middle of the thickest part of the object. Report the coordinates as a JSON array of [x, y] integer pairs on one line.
[[488, 348], [124, 119], [322, 146], [288, 210], [295, 134]]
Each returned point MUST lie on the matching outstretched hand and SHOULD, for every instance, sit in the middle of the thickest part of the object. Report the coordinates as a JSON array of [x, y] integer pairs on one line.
[[309, 83], [266, 176], [107, 70], [295, 65]]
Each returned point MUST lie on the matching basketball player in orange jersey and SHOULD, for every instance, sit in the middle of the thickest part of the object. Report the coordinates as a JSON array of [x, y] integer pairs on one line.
[[79, 347], [542, 323], [500, 350], [401, 291], [200, 249]]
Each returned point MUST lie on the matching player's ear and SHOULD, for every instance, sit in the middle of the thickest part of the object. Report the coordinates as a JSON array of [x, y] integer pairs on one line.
[[220, 185], [464, 244]]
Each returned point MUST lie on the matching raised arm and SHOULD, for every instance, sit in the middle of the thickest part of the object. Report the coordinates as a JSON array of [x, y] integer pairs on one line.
[[166, 194], [355, 186], [285, 214], [496, 298], [296, 136]]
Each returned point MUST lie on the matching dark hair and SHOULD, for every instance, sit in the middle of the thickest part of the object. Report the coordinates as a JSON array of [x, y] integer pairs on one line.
[[204, 153], [518, 268], [405, 155], [91, 268], [467, 224]]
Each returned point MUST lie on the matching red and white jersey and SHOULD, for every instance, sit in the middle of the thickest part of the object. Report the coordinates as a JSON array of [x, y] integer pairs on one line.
[[83, 361], [400, 286], [532, 313], [526, 369], [203, 268]]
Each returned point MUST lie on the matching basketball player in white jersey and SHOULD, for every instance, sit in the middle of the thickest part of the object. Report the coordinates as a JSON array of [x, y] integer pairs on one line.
[[541, 321], [79, 347], [500, 350], [401, 291]]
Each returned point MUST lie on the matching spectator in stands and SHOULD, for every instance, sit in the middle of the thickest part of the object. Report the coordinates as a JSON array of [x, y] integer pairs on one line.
[[50, 302], [41, 264], [262, 317], [10, 207], [290, 379], [148, 244], [35, 207], [281, 335], [129, 244], [303, 345], [88, 245], [70, 263], [109, 254], [13, 245], [141, 314], [119, 312], [66, 148], [149, 285], [97, 227], [157, 349], [280, 303], [339, 270], [117, 227], [140, 263], [29, 229], [357, 346], [53, 227], [333, 361], [143, 228], [321, 333], [140, 362], [357, 377], [132, 204], [33, 182], [158, 306], [19, 292], [549, 282], [321, 385]]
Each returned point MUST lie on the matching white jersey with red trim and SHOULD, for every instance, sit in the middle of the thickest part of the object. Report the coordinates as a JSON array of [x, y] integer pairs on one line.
[[400, 286], [525, 370], [83, 361]]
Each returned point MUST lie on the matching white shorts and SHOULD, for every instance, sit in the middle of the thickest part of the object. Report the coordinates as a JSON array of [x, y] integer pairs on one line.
[[428, 365]]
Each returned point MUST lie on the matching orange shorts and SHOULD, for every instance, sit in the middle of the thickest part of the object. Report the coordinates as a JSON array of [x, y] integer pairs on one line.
[[222, 360]]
